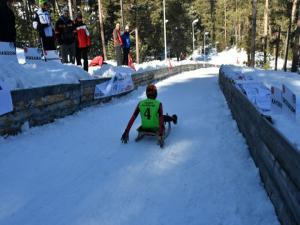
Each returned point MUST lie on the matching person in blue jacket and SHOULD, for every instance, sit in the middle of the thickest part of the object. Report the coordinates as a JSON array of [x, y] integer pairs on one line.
[[126, 45]]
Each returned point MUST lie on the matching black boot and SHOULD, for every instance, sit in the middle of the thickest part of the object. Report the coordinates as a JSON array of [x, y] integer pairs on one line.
[[174, 117]]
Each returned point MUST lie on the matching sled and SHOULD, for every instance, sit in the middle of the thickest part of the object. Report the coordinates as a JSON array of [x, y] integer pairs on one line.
[[148, 132]]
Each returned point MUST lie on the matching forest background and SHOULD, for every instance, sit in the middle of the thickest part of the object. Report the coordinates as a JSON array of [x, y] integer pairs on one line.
[[266, 27]]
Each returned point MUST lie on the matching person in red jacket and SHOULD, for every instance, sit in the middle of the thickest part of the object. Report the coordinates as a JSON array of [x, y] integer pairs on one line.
[[83, 42]]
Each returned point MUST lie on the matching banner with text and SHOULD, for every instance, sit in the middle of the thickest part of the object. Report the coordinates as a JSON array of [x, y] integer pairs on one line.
[[276, 97], [289, 102], [6, 104], [33, 55], [118, 84], [8, 52]]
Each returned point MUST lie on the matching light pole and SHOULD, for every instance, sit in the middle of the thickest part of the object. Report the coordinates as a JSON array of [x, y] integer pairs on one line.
[[165, 29], [205, 33], [193, 23]]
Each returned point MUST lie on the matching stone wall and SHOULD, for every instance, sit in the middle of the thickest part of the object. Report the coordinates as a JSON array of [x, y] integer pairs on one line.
[[38, 106], [277, 159]]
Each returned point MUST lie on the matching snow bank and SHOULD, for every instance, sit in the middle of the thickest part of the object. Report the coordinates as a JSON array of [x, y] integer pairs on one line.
[[289, 127], [19, 75], [109, 70]]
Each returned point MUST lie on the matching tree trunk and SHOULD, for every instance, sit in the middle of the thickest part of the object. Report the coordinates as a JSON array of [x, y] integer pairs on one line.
[[287, 43], [253, 33], [294, 10], [225, 23], [75, 8], [277, 46], [213, 19], [57, 7], [70, 9], [102, 29], [122, 15], [236, 23], [296, 47], [266, 24]]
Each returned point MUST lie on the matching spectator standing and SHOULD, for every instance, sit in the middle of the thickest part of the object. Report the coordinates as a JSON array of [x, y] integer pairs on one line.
[[118, 44], [43, 24], [83, 42], [7, 22], [126, 45], [65, 34]]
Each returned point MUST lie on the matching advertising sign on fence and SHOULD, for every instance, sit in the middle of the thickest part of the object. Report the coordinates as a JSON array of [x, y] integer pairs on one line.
[[32, 55], [6, 104], [52, 56], [276, 103], [118, 84], [289, 102], [257, 93], [8, 52]]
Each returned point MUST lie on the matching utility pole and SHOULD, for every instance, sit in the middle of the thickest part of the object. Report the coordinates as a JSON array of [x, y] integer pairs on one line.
[[102, 29]]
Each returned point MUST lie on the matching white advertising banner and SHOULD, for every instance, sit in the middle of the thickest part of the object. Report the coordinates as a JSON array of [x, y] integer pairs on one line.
[[6, 104], [8, 52], [52, 56], [118, 84], [257, 93], [32, 55], [276, 103], [289, 102]]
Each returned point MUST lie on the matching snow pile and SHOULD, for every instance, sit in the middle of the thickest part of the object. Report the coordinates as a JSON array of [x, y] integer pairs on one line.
[[18, 75], [109, 70], [289, 127], [143, 67], [232, 56]]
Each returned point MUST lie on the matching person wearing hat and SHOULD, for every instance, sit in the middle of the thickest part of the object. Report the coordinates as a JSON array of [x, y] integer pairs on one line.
[[151, 112], [43, 24], [126, 45], [83, 42], [7, 22], [65, 35]]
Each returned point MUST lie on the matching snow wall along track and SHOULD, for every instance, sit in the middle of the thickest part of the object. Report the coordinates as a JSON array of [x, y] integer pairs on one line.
[[38, 106], [278, 161]]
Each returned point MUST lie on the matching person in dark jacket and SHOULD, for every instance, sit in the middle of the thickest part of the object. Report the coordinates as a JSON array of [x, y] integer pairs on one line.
[[126, 45], [83, 42], [43, 24], [65, 34], [7, 22], [118, 44]]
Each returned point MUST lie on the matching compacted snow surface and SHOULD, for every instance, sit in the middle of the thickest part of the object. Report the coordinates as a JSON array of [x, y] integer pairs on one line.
[[76, 171]]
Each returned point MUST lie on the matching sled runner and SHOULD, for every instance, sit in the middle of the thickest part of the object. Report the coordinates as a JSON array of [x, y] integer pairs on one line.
[[148, 132]]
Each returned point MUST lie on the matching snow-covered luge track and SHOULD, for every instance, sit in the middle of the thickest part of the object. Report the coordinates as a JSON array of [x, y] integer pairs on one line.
[[76, 171]]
